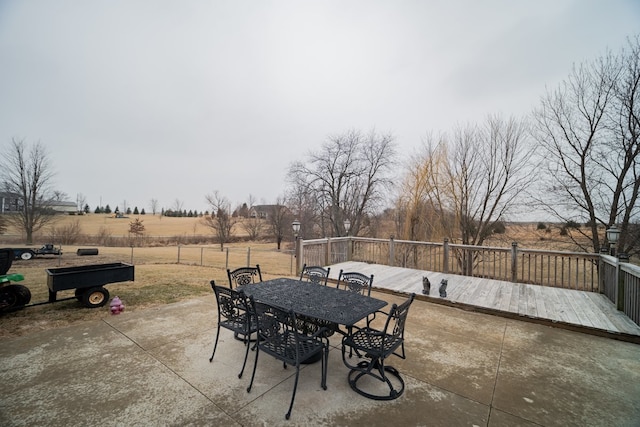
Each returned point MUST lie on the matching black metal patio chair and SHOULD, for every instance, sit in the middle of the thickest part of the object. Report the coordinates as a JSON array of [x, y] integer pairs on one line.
[[318, 275], [315, 274], [377, 345], [234, 314], [244, 276], [355, 282], [278, 337]]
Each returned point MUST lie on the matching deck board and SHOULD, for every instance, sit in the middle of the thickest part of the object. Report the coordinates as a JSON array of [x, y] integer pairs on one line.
[[579, 308]]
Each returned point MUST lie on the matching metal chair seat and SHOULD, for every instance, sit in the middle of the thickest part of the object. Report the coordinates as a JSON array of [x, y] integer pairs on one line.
[[375, 346], [373, 342]]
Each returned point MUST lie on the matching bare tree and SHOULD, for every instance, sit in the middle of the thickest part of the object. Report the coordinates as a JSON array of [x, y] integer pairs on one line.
[[58, 196], [280, 220], [347, 177], [416, 217], [253, 227], [178, 206], [81, 201], [221, 222], [27, 173], [153, 204], [467, 182], [588, 129], [305, 208]]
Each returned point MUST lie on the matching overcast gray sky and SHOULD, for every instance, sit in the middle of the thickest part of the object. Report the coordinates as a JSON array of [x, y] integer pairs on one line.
[[175, 99]]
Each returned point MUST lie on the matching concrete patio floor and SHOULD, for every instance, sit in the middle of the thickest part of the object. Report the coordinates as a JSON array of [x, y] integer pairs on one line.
[[151, 368]]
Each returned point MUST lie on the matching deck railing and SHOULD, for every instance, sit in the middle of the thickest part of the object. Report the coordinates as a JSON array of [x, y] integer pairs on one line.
[[619, 281]]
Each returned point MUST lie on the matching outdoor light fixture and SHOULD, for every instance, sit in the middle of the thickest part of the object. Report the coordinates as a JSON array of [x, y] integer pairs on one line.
[[347, 226], [296, 227], [612, 236]]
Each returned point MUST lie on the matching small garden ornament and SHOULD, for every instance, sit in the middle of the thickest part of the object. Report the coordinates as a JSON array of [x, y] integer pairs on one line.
[[426, 285], [116, 306], [443, 288]]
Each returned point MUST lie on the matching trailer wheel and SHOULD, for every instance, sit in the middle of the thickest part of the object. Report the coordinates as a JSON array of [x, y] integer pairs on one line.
[[26, 255], [95, 297], [79, 293]]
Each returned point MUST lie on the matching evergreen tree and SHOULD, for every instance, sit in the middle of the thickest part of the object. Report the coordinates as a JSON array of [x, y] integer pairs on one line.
[[107, 209], [135, 211]]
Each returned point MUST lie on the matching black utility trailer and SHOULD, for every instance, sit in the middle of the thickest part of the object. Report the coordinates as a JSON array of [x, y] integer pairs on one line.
[[28, 253], [88, 281]]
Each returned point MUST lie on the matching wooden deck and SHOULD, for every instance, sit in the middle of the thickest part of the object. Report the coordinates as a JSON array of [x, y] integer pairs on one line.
[[586, 311]]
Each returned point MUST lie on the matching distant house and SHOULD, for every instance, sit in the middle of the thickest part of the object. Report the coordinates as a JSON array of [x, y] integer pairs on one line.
[[263, 211], [11, 202], [63, 207]]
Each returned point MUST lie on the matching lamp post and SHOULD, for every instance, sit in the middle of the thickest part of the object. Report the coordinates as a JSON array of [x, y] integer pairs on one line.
[[296, 231], [612, 237], [347, 227]]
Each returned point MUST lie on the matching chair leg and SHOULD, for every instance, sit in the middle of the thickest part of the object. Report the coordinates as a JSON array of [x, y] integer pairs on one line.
[[246, 356], [293, 395], [253, 375], [325, 365], [216, 343]]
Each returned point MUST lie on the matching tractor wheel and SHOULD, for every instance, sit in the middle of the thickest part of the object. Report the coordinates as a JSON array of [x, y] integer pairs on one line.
[[14, 297], [95, 297], [26, 255], [24, 294]]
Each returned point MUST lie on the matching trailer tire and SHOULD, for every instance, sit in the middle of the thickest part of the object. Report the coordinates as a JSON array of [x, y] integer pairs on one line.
[[26, 255], [95, 297], [79, 293], [87, 251]]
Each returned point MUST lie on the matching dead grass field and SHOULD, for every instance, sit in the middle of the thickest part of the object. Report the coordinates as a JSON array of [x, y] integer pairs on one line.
[[155, 225]]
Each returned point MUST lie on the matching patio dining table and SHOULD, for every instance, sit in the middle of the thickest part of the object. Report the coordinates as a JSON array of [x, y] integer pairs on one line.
[[325, 303]]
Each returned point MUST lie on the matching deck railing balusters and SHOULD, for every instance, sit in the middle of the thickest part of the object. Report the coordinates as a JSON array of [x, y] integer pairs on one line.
[[539, 267]]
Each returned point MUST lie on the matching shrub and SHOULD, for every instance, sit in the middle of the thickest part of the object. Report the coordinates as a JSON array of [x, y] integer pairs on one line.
[[67, 234], [499, 227], [541, 226], [572, 224]]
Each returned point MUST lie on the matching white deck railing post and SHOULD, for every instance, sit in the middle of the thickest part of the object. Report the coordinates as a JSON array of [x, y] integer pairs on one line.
[[445, 256], [514, 262]]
